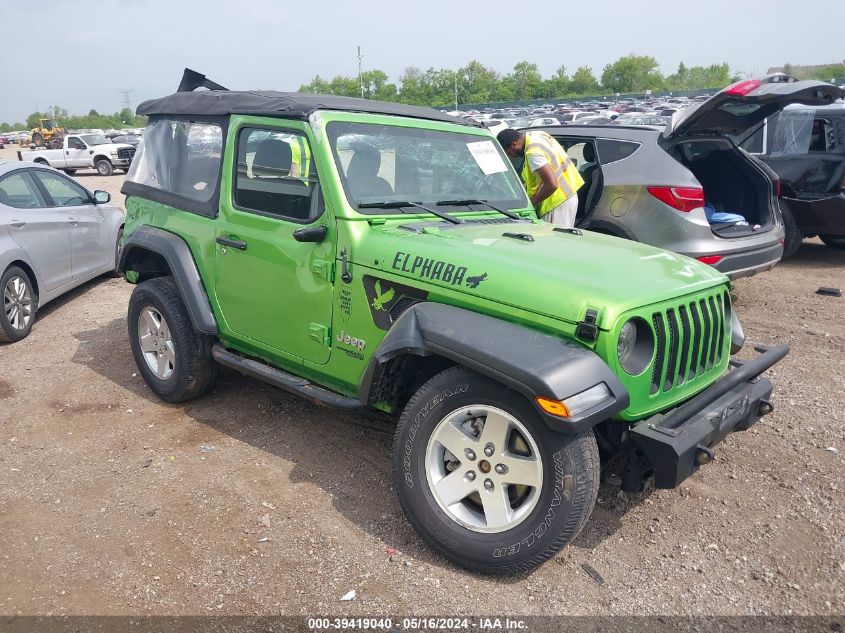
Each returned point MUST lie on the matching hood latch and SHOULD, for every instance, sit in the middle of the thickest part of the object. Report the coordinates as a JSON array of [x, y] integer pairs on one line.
[[587, 329]]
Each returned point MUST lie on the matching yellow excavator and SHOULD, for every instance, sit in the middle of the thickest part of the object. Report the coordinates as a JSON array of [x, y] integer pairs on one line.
[[48, 133]]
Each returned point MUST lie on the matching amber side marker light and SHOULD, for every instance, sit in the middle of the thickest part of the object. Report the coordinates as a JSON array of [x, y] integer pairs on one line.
[[555, 407]]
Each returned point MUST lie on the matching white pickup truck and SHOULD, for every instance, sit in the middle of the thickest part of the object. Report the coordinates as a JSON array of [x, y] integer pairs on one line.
[[81, 151]]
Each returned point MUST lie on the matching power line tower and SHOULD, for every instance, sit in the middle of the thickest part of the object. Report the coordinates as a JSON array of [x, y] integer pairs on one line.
[[127, 102]]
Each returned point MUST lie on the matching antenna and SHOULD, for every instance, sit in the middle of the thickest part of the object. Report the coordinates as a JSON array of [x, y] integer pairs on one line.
[[127, 103], [361, 71]]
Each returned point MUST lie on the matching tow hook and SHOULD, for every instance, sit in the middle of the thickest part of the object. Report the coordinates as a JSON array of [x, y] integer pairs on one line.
[[703, 455], [765, 408]]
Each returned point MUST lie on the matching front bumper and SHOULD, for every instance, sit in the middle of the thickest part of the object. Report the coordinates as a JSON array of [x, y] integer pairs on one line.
[[673, 445]]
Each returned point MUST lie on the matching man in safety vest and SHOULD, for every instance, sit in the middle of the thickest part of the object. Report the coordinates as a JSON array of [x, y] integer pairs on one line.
[[551, 178], [300, 158]]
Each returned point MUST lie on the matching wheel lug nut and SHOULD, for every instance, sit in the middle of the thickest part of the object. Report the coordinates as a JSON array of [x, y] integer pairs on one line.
[[471, 475], [489, 450], [470, 454], [501, 469], [488, 484]]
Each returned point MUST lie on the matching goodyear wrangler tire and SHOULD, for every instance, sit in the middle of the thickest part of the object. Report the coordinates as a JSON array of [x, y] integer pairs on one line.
[[484, 480]]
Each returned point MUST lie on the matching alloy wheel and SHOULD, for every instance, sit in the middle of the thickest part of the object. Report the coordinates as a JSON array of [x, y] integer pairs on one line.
[[17, 303], [484, 469], [156, 343]]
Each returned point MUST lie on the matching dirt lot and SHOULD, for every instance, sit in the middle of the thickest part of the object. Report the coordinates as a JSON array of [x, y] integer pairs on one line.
[[112, 502]]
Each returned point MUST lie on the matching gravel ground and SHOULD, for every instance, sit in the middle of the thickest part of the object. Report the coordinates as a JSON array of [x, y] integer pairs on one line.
[[252, 501]]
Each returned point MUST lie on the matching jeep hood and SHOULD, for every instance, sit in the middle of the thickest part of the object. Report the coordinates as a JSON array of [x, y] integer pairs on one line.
[[536, 268]]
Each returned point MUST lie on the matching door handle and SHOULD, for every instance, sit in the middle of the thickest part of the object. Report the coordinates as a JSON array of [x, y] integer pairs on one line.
[[73, 221], [17, 224], [227, 241]]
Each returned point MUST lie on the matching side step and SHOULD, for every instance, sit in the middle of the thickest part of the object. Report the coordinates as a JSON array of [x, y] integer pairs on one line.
[[283, 380]]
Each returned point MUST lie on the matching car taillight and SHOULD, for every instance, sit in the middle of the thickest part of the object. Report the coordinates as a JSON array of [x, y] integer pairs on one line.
[[710, 259], [742, 88], [777, 188], [683, 199]]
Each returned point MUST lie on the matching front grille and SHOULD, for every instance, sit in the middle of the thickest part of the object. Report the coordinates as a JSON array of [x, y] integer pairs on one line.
[[126, 153], [689, 340]]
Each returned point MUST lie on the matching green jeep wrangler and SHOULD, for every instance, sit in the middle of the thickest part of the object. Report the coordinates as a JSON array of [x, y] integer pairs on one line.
[[367, 254]]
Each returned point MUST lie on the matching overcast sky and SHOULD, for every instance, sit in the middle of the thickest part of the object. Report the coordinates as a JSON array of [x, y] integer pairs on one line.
[[90, 50]]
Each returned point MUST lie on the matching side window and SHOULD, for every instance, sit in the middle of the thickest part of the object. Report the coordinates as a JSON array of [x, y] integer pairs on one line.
[[179, 157], [73, 141], [19, 191], [275, 175], [63, 192], [612, 150]]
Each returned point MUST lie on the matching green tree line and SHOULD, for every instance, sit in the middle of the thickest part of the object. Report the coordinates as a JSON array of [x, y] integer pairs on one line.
[[477, 83], [119, 120]]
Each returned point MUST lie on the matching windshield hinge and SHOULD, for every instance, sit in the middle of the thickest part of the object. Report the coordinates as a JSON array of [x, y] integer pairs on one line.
[[587, 329]]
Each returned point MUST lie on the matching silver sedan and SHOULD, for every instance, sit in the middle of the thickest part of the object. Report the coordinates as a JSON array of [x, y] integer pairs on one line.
[[54, 236]]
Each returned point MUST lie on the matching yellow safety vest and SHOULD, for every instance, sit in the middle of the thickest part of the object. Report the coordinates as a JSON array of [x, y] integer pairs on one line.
[[301, 157], [568, 178]]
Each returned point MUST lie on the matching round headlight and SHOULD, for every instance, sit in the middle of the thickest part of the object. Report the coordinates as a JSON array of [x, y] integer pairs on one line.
[[635, 346]]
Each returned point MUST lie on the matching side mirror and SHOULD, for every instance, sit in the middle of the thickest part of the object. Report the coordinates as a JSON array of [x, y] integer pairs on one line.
[[101, 197], [311, 234]]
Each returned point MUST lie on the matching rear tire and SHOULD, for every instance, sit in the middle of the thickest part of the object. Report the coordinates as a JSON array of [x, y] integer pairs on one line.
[[70, 172], [793, 237], [104, 167], [174, 360], [833, 241], [496, 526], [20, 303], [38, 139]]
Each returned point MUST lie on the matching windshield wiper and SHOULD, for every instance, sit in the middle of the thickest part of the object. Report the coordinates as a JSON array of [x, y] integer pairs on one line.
[[401, 204], [469, 201]]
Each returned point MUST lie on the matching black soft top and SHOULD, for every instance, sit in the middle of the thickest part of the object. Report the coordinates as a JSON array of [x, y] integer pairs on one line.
[[286, 105]]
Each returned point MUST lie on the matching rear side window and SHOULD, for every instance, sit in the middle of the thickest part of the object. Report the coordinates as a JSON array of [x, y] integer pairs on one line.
[[275, 175], [182, 158], [19, 191], [612, 150]]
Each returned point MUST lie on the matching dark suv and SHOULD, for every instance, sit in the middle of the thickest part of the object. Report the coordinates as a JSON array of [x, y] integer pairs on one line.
[[805, 146]]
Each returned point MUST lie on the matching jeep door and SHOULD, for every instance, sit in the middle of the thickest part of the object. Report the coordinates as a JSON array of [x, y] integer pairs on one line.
[[275, 248]]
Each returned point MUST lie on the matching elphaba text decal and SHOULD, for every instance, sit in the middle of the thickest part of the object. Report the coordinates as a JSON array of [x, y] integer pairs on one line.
[[435, 270]]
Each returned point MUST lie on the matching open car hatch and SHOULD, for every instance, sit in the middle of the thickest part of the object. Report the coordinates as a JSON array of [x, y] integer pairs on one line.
[[742, 105]]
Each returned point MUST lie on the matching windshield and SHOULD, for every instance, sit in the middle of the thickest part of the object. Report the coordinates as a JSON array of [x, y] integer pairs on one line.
[[388, 163], [95, 139]]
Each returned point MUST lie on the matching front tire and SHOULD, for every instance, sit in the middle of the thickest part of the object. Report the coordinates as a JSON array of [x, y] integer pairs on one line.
[[118, 249], [19, 305], [104, 167], [484, 480], [174, 360]]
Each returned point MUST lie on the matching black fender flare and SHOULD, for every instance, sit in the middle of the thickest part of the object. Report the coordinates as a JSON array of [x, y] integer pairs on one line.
[[530, 362], [183, 269]]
